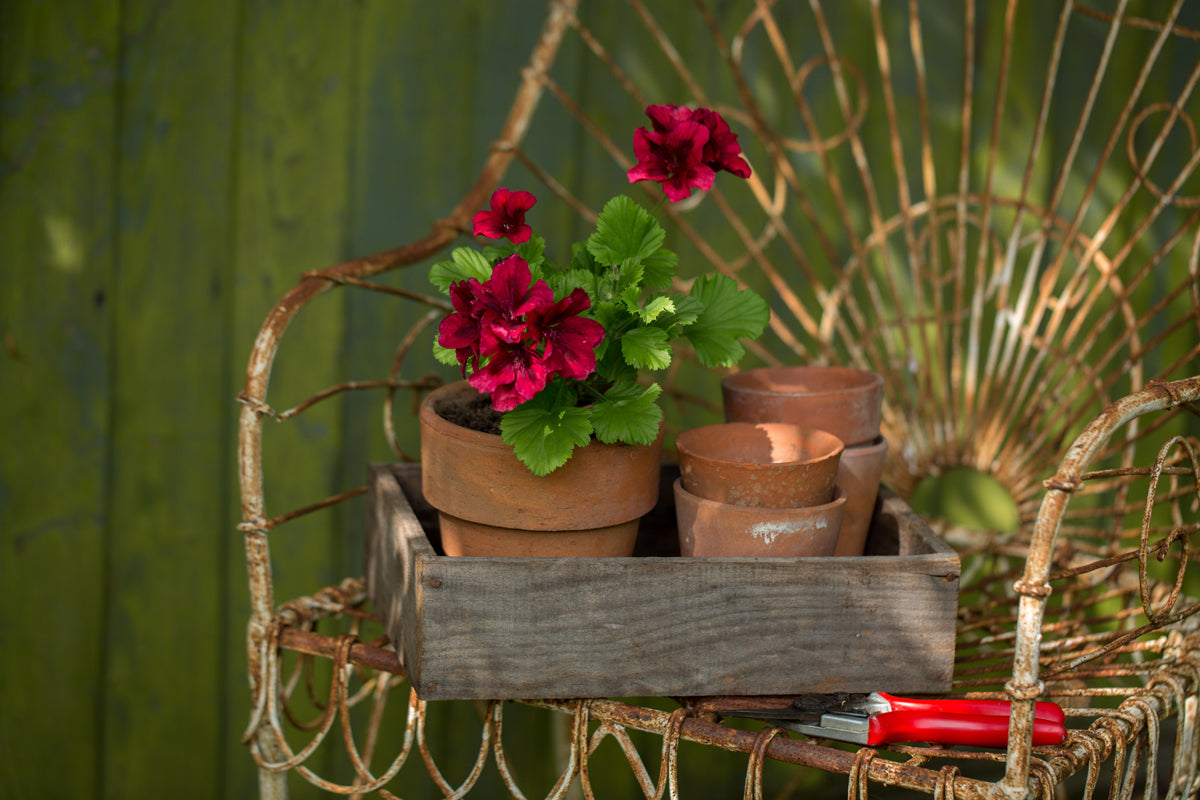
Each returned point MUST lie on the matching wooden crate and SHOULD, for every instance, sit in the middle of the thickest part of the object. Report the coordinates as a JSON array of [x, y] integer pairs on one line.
[[657, 624]]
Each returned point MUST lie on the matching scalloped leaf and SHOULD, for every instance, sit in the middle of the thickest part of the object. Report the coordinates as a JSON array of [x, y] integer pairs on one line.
[[444, 355], [729, 314], [543, 437], [646, 348], [625, 234], [628, 413], [464, 263]]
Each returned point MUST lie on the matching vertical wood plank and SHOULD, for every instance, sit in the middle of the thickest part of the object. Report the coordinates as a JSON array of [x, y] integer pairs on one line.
[[171, 433], [57, 127], [292, 152]]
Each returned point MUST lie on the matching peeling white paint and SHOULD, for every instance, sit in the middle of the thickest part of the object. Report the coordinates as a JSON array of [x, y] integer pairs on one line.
[[768, 532]]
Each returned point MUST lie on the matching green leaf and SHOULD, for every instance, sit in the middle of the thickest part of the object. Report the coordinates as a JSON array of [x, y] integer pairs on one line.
[[658, 269], [729, 313], [533, 251], [629, 279], [563, 282], [444, 355], [687, 310], [628, 413], [611, 364], [612, 317], [631, 299], [582, 259], [655, 306], [625, 234], [543, 435], [465, 263], [646, 348]]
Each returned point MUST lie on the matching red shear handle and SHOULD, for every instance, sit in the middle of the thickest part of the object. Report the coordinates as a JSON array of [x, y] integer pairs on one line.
[[973, 730], [1042, 710]]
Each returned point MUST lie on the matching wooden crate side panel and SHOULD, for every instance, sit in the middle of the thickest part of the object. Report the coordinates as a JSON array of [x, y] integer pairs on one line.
[[897, 529], [393, 539], [473, 627], [671, 626]]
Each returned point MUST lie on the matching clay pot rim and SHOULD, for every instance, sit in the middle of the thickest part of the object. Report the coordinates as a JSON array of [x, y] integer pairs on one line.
[[433, 419], [760, 512], [838, 446], [744, 381], [502, 491], [428, 415], [878, 443]]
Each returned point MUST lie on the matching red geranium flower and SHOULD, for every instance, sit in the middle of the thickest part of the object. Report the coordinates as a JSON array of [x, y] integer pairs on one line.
[[460, 331], [508, 295], [722, 151], [514, 373], [673, 158], [666, 116], [685, 149], [569, 338], [507, 217], [491, 312]]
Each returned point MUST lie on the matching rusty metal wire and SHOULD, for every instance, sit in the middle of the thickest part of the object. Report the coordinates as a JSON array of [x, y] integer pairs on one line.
[[1027, 278]]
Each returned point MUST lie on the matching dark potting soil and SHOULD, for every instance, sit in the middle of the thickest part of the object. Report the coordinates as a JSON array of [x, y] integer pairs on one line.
[[472, 411]]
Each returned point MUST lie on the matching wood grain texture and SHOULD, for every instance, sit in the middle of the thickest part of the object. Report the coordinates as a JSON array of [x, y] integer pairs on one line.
[[479, 627], [58, 127], [292, 152], [170, 428]]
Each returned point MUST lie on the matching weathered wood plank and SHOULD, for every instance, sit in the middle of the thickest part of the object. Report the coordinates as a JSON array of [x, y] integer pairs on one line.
[[58, 123], [171, 431], [481, 627], [291, 156], [292, 153]]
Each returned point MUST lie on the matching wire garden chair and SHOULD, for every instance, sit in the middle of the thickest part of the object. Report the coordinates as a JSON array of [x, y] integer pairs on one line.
[[994, 205]]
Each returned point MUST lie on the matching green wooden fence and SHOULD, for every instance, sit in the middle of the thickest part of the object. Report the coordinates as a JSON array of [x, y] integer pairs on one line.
[[167, 170]]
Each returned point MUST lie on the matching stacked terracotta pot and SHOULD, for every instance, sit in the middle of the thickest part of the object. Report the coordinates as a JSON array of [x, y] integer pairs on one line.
[[739, 493], [758, 489]]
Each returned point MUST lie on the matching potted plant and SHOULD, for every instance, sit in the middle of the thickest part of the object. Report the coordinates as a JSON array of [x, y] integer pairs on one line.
[[555, 355]]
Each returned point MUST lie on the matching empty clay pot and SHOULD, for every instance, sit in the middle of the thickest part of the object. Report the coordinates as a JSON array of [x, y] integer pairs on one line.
[[490, 504], [845, 401], [710, 529], [859, 473], [767, 465]]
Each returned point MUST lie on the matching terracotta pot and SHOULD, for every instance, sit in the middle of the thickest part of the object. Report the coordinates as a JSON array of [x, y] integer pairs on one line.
[[710, 529], [490, 504], [767, 465], [858, 474], [845, 401]]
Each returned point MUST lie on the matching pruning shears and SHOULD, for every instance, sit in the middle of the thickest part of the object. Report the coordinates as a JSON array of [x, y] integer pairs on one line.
[[878, 718]]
